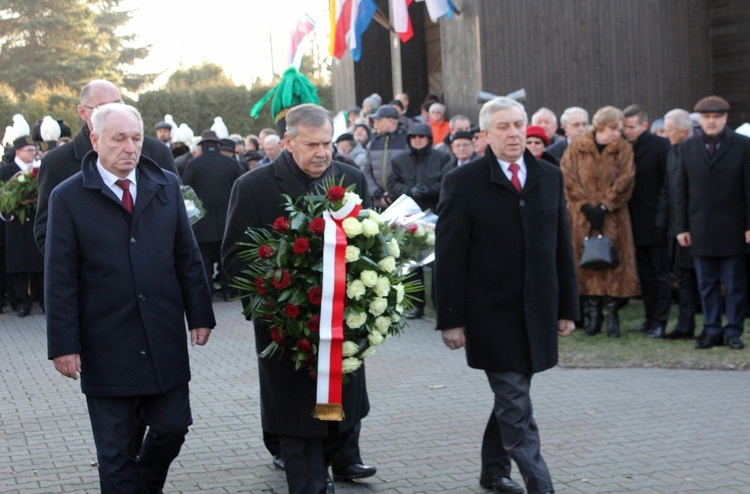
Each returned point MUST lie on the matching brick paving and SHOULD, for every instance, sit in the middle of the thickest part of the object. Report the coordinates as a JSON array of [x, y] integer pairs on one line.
[[603, 431]]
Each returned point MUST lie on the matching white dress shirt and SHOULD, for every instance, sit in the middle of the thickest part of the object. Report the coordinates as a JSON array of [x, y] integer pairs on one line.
[[110, 180], [521, 172]]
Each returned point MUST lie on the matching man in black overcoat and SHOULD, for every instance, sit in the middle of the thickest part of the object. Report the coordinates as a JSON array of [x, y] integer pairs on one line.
[[288, 395], [650, 156], [212, 176], [123, 273], [506, 284], [65, 161], [24, 264], [712, 209]]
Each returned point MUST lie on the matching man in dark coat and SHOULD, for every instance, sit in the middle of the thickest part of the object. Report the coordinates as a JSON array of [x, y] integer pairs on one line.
[[212, 176], [24, 265], [712, 208], [652, 257], [506, 284], [288, 395], [123, 273], [65, 161]]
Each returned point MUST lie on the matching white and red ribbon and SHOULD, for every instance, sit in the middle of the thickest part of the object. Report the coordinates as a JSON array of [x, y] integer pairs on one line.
[[329, 380]]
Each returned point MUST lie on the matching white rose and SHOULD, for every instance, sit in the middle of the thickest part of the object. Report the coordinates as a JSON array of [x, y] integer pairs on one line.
[[382, 324], [399, 292], [356, 319], [370, 228], [393, 247], [382, 287], [355, 289], [419, 232], [387, 264], [395, 318], [21, 178], [352, 253], [350, 364], [349, 348], [400, 308], [378, 306], [374, 216], [369, 278], [430, 238], [352, 227], [375, 338], [368, 352], [351, 196]]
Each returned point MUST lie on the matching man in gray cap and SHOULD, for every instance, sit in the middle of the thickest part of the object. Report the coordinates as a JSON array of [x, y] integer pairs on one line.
[[389, 142], [164, 132], [712, 210]]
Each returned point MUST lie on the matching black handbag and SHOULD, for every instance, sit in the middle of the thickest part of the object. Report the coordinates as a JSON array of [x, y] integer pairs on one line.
[[598, 252]]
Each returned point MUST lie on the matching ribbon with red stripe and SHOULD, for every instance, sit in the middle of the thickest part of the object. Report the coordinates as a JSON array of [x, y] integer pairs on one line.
[[329, 380]]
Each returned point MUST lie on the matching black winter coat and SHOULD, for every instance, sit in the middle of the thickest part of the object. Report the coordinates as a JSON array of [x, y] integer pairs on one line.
[[419, 168], [287, 395], [650, 157], [504, 264]]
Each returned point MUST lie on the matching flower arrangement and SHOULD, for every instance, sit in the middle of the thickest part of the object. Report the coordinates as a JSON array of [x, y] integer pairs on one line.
[[193, 204], [415, 229], [19, 195], [285, 279]]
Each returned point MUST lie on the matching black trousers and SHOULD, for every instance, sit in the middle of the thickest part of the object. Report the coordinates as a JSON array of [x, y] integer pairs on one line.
[[128, 462], [307, 459], [511, 433], [654, 273], [211, 254], [347, 455]]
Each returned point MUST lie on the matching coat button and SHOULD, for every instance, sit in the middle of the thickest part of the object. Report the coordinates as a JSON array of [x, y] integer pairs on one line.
[[133, 240], [521, 202], [143, 354], [141, 297]]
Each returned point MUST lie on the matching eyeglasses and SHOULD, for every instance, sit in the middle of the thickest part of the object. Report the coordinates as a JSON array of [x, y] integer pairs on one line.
[[100, 104]]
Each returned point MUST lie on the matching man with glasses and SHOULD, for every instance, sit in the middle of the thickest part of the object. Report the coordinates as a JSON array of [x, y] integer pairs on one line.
[[65, 161], [575, 122], [24, 264]]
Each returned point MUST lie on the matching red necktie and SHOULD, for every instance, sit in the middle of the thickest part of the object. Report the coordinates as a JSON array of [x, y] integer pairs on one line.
[[514, 179], [127, 199]]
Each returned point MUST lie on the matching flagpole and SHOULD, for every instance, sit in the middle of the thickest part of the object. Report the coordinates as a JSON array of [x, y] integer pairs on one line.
[[397, 75]]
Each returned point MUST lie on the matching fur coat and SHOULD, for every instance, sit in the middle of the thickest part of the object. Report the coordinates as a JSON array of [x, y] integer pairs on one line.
[[602, 178]]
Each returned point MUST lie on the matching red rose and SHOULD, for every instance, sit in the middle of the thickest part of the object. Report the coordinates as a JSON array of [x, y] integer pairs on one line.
[[281, 279], [301, 245], [412, 228], [314, 324], [291, 310], [265, 251], [281, 224], [317, 226], [336, 193], [314, 295], [304, 345], [277, 336], [260, 285], [34, 172]]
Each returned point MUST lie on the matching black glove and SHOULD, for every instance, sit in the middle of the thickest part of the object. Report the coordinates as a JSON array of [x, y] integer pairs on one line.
[[594, 215], [419, 191]]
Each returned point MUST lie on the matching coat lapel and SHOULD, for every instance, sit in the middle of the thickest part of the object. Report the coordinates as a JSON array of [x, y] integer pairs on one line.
[[533, 173]]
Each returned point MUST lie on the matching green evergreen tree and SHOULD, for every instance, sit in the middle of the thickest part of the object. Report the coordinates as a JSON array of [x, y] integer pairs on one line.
[[66, 42]]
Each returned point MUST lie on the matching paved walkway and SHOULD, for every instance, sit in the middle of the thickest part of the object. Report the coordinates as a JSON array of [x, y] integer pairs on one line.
[[603, 431]]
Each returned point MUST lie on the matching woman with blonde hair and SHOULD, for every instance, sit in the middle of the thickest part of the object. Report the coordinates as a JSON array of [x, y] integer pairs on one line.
[[599, 177]]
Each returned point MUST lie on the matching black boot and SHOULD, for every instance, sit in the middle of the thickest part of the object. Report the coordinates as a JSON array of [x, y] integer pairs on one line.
[[613, 318], [593, 308]]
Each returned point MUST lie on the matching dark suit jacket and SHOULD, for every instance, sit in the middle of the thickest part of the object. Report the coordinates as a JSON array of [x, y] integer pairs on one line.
[[65, 161], [504, 264], [650, 156], [712, 195], [212, 176], [119, 286], [557, 149], [287, 395], [21, 254]]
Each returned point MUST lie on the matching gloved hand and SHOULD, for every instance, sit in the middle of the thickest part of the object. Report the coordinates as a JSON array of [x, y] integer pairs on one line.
[[419, 191], [594, 215]]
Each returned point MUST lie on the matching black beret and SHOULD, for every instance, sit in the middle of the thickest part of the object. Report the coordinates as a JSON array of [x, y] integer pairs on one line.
[[463, 134], [346, 136]]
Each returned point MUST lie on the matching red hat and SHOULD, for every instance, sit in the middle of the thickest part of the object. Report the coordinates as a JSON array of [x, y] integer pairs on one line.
[[537, 131]]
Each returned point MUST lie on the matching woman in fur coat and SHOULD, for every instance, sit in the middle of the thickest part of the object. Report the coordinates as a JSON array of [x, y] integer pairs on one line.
[[599, 177]]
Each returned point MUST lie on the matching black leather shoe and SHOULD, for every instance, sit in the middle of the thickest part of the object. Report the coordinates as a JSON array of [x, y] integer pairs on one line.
[[709, 342], [278, 462], [330, 489], [735, 343], [355, 471], [414, 313], [678, 335], [23, 311], [642, 328], [655, 332], [500, 484]]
